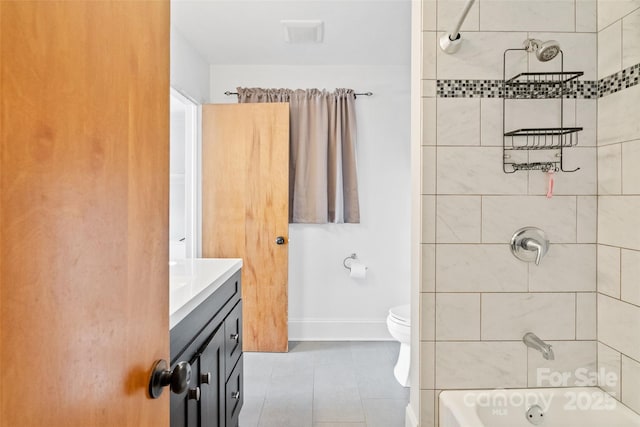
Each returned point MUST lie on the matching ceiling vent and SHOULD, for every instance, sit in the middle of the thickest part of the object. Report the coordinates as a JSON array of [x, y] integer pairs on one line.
[[303, 31]]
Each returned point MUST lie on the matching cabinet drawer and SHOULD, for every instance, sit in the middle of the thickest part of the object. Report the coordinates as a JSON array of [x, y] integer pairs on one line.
[[234, 396], [233, 337]]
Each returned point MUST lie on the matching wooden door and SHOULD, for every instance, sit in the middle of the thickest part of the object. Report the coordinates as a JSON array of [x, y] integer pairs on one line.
[[245, 208], [84, 143]]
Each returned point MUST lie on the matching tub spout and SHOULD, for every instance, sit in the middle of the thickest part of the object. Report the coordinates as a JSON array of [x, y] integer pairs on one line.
[[531, 340]]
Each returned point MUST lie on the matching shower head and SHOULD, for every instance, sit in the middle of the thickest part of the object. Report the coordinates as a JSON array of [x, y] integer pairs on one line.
[[545, 51]]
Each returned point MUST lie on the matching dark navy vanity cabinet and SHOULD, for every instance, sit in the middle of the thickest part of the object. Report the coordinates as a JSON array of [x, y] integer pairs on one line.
[[210, 339]]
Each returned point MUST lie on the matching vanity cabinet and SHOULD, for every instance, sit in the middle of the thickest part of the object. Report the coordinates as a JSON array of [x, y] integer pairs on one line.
[[210, 339]]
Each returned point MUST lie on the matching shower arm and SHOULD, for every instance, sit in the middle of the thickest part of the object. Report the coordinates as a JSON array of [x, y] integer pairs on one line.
[[450, 42]]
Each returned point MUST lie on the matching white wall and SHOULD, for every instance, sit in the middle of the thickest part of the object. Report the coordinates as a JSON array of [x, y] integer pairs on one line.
[[324, 303], [189, 70]]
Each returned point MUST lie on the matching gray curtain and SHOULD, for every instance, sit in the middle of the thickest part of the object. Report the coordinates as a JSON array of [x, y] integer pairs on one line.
[[323, 183]]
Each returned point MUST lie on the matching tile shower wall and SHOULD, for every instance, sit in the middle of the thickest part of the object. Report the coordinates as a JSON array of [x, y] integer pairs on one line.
[[619, 199], [478, 300]]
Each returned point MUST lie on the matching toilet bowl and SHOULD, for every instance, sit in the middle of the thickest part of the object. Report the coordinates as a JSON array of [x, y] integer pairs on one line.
[[399, 325]]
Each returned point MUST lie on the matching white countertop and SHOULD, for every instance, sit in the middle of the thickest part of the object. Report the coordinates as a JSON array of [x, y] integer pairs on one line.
[[191, 281]]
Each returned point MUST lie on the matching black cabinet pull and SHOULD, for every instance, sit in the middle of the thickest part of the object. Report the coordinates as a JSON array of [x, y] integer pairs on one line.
[[194, 394]]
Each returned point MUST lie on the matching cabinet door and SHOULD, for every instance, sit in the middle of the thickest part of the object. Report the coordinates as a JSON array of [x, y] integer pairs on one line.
[[212, 379], [233, 338], [185, 408], [235, 395]]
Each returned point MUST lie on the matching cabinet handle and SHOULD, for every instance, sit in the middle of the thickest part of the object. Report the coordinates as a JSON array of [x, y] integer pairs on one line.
[[235, 395], [235, 337], [205, 378], [194, 394]]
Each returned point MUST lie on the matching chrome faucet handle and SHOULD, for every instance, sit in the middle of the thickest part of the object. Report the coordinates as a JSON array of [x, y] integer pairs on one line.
[[529, 244]]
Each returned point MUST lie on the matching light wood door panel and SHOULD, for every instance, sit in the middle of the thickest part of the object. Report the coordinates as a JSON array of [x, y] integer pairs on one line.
[[245, 206], [84, 140]]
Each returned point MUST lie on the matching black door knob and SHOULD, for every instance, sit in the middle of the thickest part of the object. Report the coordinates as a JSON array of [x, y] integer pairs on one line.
[[280, 240], [161, 376]]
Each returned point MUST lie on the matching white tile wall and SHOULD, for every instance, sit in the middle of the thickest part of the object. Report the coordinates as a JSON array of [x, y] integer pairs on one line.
[[631, 383], [485, 299], [428, 170], [575, 360], [428, 360], [619, 221], [630, 170], [587, 219], [472, 365], [449, 12], [476, 170], [527, 15], [429, 272], [551, 316], [583, 181], [491, 122], [618, 325], [608, 271], [609, 362], [428, 121], [553, 274], [429, 46], [610, 11], [480, 56], [457, 317], [610, 50], [579, 50], [630, 276], [502, 216], [586, 322], [458, 219], [479, 268], [458, 121], [428, 307], [614, 122], [619, 203], [586, 16], [631, 39], [610, 169], [429, 219]]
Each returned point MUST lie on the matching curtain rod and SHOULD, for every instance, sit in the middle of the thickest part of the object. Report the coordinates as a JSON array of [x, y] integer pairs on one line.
[[229, 93]]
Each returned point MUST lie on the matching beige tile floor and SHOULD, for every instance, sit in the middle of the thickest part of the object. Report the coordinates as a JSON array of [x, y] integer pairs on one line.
[[324, 384]]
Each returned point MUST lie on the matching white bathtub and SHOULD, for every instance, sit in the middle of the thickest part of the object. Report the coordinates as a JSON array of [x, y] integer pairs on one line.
[[561, 407]]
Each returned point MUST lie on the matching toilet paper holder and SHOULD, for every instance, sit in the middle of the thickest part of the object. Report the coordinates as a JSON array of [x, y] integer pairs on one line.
[[350, 259]]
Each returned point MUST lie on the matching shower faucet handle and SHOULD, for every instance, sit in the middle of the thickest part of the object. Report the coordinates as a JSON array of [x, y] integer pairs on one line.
[[529, 244]]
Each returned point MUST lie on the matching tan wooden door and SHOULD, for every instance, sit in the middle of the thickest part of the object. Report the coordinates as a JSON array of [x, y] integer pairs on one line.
[[245, 208], [84, 143]]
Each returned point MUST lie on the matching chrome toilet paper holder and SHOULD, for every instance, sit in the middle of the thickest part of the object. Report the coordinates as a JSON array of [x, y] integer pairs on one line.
[[349, 260]]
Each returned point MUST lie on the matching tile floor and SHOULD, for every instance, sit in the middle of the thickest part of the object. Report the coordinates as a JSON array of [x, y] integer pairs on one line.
[[324, 384]]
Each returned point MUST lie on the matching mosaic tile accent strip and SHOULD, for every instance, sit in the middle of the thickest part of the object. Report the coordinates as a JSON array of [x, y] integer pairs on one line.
[[575, 89], [616, 82], [587, 89]]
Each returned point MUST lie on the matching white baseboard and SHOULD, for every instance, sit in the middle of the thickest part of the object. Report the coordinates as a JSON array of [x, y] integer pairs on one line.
[[410, 419], [338, 330]]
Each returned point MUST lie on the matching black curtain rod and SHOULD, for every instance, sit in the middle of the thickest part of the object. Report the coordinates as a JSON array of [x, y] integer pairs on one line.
[[229, 93]]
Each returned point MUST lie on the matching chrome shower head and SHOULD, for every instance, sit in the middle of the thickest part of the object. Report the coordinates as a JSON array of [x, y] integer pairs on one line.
[[545, 51]]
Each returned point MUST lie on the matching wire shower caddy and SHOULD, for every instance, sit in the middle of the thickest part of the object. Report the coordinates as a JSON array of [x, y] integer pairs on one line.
[[537, 85]]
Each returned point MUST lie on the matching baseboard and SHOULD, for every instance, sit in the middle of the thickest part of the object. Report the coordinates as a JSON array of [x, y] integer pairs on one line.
[[338, 330], [410, 419]]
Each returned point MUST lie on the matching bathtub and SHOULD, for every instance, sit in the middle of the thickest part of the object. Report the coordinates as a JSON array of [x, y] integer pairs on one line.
[[556, 407]]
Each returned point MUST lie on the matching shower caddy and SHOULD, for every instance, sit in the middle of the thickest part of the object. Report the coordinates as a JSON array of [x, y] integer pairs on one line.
[[537, 85]]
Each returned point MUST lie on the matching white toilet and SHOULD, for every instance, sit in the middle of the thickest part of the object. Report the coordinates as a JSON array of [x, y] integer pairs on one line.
[[399, 324]]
